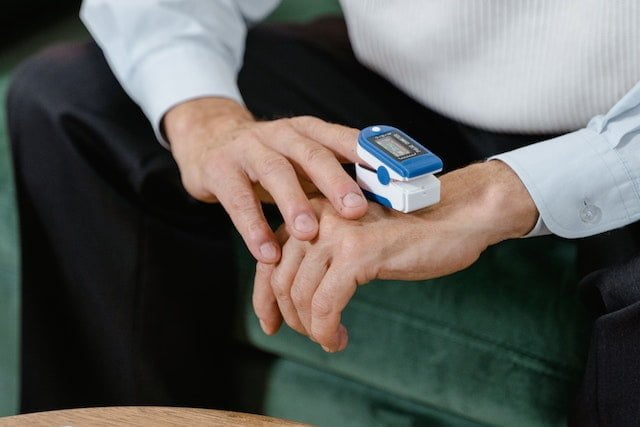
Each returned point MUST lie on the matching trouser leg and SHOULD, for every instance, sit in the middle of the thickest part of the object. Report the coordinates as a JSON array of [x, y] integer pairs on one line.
[[610, 390], [125, 278]]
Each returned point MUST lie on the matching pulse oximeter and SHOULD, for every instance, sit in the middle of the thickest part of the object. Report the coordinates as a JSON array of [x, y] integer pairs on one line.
[[402, 174]]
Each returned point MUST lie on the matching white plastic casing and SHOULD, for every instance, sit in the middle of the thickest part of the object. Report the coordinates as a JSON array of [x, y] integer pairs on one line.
[[404, 196]]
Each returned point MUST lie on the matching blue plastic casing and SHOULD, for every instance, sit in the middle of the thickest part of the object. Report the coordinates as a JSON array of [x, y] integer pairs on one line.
[[420, 164]]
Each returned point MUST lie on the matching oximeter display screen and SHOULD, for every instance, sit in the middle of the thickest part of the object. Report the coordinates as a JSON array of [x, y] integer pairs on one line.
[[397, 145], [393, 146]]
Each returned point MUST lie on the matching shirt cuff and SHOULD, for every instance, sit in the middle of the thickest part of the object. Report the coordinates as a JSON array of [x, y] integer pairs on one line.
[[540, 229], [176, 74], [578, 182]]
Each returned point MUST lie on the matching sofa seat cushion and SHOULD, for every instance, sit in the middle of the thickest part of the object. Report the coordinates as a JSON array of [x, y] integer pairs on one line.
[[502, 342], [299, 392]]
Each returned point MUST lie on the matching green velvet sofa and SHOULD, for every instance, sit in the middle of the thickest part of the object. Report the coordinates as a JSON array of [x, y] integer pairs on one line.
[[501, 343]]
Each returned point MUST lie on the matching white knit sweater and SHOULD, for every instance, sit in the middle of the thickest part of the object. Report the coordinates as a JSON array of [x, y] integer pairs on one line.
[[503, 65]]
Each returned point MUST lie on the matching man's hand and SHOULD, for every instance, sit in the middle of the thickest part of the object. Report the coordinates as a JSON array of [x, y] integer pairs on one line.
[[225, 155], [481, 204]]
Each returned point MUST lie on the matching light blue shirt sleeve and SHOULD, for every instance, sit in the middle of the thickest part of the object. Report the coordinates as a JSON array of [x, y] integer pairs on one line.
[[586, 182], [164, 52]]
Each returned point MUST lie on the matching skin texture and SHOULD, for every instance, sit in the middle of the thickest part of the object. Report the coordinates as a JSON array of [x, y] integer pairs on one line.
[[308, 271], [481, 205], [226, 156]]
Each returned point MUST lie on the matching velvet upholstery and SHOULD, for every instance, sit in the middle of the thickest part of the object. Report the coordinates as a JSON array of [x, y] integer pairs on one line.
[[502, 342]]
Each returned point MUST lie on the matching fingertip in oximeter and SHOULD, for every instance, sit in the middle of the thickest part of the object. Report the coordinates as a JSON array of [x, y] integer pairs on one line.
[[402, 171]]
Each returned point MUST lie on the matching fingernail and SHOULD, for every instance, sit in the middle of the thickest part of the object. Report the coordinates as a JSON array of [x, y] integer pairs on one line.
[[352, 200], [304, 223], [268, 250], [264, 327], [325, 348]]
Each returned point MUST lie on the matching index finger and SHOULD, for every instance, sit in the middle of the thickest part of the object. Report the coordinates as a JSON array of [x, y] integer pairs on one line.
[[320, 165], [323, 169], [342, 140]]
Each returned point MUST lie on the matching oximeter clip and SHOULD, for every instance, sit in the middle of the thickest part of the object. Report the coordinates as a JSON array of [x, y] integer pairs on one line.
[[402, 175]]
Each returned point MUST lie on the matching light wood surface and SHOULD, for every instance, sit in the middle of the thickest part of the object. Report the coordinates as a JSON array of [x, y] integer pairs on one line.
[[142, 416]]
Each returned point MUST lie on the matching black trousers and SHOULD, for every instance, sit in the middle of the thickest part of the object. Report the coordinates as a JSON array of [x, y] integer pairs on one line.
[[127, 281]]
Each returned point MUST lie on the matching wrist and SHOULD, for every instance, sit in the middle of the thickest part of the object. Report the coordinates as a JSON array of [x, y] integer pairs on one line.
[[490, 199], [514, 213], [193, 116]]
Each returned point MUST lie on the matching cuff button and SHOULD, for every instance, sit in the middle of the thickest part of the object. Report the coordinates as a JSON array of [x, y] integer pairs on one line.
[[590, 214]]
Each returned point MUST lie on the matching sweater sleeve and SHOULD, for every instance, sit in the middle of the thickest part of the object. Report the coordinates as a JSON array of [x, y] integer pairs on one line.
[[164, 52]]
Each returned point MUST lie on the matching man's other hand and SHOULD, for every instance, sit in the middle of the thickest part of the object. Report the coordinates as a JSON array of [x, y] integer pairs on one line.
[[226, 156], [481, 204]]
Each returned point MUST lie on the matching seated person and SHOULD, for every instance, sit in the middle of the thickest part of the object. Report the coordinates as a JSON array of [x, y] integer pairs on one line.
[[127, 273]]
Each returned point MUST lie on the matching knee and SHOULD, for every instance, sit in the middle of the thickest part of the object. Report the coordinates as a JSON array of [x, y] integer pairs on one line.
[[49, 80]]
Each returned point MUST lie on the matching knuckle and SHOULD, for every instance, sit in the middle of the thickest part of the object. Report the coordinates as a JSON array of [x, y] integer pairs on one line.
[[214, 156], [284, 299], [344, 133], [321, 306], [311, 125], [272, 130], [279, 286], [298, 297], [256, 227], [288, 123], [350, 244], [245, 134], [242, 209], [250, 135], [304, 120], [317, 154], [320, 333], [342, 182], [329, 224], [242, 201], [274, 165], [256, 231], [212, 160], [281, 129]]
